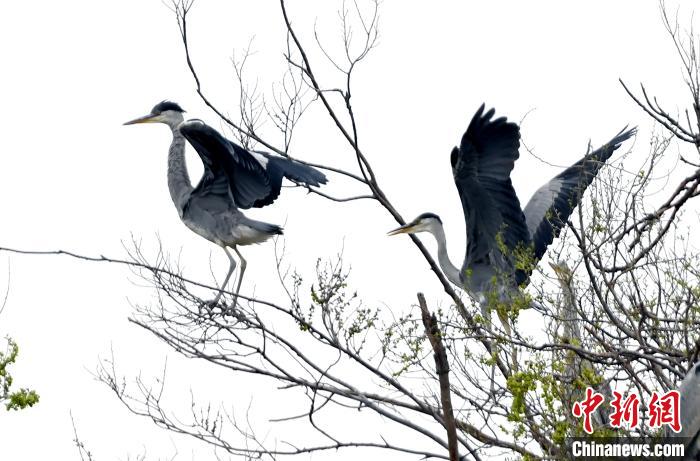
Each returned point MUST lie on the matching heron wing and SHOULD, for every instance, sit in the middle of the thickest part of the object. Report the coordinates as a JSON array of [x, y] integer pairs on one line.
[[229, 170], [280, 167], [550, 207], [481, 167]]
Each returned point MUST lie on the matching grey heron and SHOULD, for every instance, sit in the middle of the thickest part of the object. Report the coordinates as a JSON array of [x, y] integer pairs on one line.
[[575, 365], [498, 230], [234, 178]]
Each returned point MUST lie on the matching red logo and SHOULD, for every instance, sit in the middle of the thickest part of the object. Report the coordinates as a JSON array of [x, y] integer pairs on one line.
[[626, 411], [586, 407], [665, 409]]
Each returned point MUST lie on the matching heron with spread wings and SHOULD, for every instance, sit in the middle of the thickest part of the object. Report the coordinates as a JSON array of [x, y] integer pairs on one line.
[[234, 178], [504, 242]]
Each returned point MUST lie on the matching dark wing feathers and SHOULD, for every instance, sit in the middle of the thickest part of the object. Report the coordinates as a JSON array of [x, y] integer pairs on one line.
[[252, 182], [550, 207], [295, 171], [491, 146], [279, 167], [481, 167], [225, 163]]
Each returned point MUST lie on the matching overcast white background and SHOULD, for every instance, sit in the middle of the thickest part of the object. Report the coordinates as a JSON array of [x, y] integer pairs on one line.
[[72, 177]]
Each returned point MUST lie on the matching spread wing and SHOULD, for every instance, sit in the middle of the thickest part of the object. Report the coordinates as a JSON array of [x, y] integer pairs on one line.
[[253, 178], [279, 167], [481, 166], [227, 167], [550, 207]]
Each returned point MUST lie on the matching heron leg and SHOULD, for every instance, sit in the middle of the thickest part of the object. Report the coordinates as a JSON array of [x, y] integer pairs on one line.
[[231, 268], [503, 317], [486, 313], [240, 275]]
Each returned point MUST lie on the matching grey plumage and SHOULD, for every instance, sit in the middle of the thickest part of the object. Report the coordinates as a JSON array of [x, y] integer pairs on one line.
[[553, 203], [569, 320], [503, 243], [254, 178], [233, 179], [497, 228], [481, 167]]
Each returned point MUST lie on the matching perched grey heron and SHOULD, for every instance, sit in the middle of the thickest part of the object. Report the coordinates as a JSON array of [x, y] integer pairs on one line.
[[498, 230], [233, 178], [575, 365], [567, 315]]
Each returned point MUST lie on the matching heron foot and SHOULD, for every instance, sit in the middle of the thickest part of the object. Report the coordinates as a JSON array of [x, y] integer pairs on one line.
[[209, 307], [234, 312]]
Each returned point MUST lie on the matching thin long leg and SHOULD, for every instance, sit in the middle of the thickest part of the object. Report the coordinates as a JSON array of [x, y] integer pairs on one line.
[[231, 267], [506, 326], [240, 276], [486, 313]]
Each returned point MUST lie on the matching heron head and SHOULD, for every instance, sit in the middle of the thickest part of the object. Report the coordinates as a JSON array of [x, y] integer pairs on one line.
[[167, 112], [562, 270], [425, 222]]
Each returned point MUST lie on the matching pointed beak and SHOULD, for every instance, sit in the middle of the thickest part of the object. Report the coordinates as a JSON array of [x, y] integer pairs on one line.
[[405, 229], [556, 268], [150, 118], [560, 271]]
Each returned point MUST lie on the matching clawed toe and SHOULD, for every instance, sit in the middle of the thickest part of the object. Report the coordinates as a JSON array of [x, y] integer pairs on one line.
[[207, 307]]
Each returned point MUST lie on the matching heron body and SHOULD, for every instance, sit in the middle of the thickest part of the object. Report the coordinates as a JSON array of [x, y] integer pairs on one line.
[[504, 241], [227, 227], [218, 221], [233, 179], [567, 312], [574, 368]]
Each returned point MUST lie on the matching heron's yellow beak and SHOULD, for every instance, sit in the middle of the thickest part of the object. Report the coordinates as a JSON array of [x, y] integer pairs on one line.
[[561, 271], [556, 268], [405, 229], [150, 118]]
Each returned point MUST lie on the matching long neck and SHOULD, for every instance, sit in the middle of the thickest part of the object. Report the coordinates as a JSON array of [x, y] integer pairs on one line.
[[451, 272], [568, 314], [179, 183]]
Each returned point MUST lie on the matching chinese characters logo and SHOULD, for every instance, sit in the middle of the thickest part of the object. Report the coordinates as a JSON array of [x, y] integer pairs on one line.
[[664, 410]]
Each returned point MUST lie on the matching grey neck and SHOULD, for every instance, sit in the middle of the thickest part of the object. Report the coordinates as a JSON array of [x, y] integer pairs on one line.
[[568, 310], [451, 272], [179, 183]]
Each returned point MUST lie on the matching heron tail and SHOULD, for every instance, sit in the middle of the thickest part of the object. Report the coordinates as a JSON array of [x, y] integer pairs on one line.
[[266, 228]]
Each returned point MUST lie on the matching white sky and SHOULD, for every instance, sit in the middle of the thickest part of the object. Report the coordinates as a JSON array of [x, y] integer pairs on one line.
[[72, 177]]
